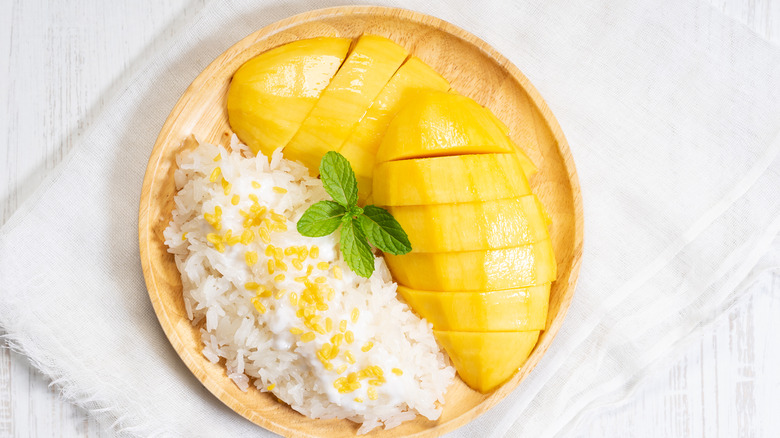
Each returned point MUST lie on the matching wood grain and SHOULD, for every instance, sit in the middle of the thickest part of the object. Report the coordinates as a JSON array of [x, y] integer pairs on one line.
[[475, 70]]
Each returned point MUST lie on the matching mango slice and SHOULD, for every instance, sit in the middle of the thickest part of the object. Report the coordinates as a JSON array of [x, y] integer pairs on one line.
[[493, 269], [271, 94], [501, 223], [437, 124], [520, 309], [346, 99], [446, 180], [485, 360], [361, 145], [528, 166]]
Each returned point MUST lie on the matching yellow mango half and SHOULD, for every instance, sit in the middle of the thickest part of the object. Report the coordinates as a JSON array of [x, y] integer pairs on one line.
[[500, 223], [435, 123], [272, 93], [345, 101], [446, 180], [361, 145], [485, 360], [493, 269], [519, 309]]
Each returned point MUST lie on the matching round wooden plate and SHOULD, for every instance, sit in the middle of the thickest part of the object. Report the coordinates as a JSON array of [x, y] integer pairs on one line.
[[475, 70]]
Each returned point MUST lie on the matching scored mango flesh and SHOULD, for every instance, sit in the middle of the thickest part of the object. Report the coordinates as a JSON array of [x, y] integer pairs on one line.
[[518, 309], [484, 360], [482, 260], [441, 124], [361, 145], [346, 99], [491, 269], [528, 166], [447, 180], [271, 94], [500, 223]]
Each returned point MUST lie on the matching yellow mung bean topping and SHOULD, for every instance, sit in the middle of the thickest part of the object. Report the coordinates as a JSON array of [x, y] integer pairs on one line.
[[250, 257], [259, 306], [215, 174]]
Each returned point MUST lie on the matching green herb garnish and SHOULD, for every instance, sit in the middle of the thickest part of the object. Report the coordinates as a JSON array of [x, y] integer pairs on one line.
[[359, 226]]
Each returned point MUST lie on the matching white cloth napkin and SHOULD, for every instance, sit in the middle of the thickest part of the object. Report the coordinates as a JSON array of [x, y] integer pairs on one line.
[[672, 112]]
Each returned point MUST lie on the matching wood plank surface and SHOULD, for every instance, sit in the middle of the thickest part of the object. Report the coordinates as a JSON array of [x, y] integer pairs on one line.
[[60, 63]]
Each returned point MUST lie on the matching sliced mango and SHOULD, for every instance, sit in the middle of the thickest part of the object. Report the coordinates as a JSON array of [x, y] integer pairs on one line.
[[518, 309], [493, 269], [361, 145], [362, 162], [436, 123], [500, 223], [485, 360], [528, 166], [367, 69], [445, 180], [545, 214], [271, 94]]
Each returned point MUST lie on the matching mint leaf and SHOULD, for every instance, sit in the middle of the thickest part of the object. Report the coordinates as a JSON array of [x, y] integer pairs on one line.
[[338, 179], [383, 231], [355, 249], [357, 224], [321, 219]]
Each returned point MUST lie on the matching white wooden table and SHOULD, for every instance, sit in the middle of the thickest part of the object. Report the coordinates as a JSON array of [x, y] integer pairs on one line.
[[60, 62]]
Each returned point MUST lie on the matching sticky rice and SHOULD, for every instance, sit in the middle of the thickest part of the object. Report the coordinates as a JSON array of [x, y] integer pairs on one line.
[[283, 312]]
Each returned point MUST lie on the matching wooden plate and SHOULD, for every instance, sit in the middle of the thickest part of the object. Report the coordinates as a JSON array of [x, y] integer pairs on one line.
[[475, 70]]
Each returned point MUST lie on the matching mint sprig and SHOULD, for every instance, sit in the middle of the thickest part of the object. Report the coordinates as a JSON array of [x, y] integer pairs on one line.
[[359, 226]]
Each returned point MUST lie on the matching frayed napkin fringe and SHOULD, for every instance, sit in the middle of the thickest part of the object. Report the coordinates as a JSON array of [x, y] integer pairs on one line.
[[102, 410]]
